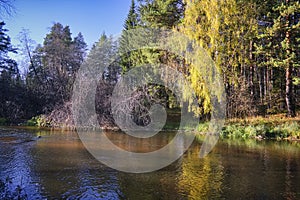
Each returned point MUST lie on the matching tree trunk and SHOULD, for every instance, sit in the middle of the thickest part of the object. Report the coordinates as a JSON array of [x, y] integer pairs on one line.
[[289, 97], [289, 92], [251, 71]]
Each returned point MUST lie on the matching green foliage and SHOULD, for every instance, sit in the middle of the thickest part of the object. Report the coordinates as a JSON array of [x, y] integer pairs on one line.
[[31, 122], [254, 45], [132, 17], [288, 130], [53, 67], [244, 132], [278, 44], [263, 129], [250, 132], [296, 81], [5, 48], [161, 13], [39, 121], [3, 121], [232, 131], [149, 13], [203, 127]]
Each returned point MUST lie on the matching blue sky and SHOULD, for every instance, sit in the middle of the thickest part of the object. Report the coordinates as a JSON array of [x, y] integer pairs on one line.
[[90, 17]]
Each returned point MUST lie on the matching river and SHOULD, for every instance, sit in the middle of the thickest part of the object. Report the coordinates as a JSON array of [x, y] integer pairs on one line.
[[58, 166]]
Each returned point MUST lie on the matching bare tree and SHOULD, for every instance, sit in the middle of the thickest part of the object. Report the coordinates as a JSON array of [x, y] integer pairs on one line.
[[6, 8], [27, 46]]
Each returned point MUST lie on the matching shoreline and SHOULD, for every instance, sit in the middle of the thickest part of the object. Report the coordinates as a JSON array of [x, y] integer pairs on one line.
[[223, 135]]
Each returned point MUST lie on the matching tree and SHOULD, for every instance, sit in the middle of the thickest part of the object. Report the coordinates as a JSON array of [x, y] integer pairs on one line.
[[101, 66], [280, 44], [126, 57], [13, 93], [27, 46], [6, 63], [161, 13], [150, 15], [61, 58], [153, 14], [225, 29], [6, 7], [79, 52], [132, 17]]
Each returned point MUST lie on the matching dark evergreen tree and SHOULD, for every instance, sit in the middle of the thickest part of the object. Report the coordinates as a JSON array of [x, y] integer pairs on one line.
[[132, 17], [13, 93], [6, 63], [127, 57], [161, 13], [54, 65], [280, 43]]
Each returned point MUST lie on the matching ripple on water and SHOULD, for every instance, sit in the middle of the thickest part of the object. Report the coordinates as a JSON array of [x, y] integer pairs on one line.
[[58, 166]]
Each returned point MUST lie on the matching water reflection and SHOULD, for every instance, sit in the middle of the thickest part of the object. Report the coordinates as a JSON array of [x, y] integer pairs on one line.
[[67, 170], [16, 160], [58, 166], [201, 178]]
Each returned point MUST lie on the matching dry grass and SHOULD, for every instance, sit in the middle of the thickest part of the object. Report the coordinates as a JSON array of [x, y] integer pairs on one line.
[[271, 120]]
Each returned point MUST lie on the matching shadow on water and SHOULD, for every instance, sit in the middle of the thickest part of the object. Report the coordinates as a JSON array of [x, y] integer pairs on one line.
[[57, 165]]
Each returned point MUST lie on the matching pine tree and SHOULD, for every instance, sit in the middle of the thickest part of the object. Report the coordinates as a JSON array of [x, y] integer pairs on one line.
[[127, 57], [279, 44], [161, 13], [153, 14], [13, 105], [101, 62], [6, 63], [79, 48], [132, 17], [61, 57]]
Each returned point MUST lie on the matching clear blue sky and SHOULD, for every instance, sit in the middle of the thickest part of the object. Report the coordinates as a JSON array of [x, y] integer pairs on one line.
[[90, 17]]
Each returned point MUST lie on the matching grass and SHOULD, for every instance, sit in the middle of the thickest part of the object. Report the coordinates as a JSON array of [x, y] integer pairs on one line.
[[270, 120], [272, 127]]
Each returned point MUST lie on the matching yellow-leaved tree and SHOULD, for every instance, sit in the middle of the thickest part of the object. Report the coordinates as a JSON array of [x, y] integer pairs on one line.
[[224, 29]]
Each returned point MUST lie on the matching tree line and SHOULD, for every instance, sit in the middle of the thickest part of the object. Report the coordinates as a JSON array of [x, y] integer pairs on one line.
[[255, 46], [47, 81]]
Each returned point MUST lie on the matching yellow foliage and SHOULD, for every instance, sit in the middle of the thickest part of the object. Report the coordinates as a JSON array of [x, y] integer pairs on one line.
[[223, 29]]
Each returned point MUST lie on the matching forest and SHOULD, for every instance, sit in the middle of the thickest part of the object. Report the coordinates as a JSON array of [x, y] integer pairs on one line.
[[255, 46]]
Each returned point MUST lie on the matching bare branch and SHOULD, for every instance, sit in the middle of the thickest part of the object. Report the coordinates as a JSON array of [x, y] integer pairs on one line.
[[6, 8]]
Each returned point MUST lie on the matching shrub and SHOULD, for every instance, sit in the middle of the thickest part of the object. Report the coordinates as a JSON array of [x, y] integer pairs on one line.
[[203, 127], [3, 121], [250, 132], [232, 131], [288, 129], [262, 130], [39, 121]]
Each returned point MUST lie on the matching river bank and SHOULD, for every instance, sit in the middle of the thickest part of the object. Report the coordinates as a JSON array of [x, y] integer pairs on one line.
[[276, 127]]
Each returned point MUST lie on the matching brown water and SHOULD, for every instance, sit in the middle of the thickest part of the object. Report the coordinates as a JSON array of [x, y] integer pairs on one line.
[[57, 166]]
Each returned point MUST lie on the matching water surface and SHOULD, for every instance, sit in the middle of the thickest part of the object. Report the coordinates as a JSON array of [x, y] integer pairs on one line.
[[58, 166]]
